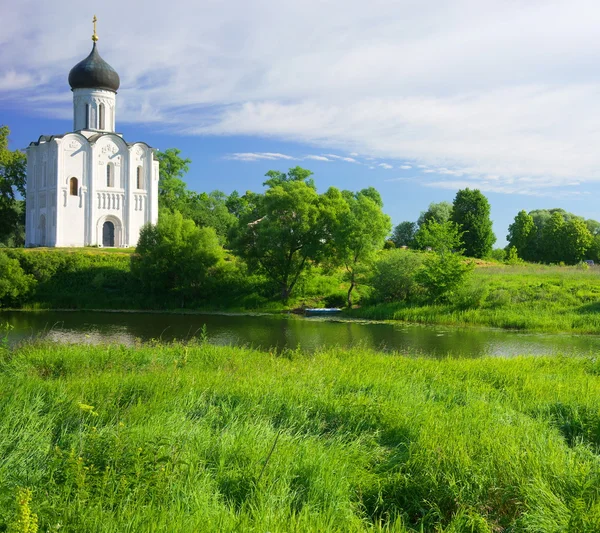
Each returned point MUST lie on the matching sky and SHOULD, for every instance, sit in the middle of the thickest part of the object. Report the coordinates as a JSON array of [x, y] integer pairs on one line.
[[416, 98]]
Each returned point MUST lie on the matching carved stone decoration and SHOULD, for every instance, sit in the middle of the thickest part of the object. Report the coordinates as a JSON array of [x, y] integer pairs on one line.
[[74, 145], [109, 149], [64, 191]]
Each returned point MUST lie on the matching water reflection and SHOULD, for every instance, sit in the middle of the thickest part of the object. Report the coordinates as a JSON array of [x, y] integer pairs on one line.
[[269, 332]]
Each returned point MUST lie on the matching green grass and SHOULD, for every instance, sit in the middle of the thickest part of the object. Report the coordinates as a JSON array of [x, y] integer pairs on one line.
[[203, 438], [525, 297]]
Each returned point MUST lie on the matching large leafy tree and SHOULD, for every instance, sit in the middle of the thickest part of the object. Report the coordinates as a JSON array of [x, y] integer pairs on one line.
[[175, 257], [359, 233], [577, 240], [404, 234], [521, 235], [13, 175], [285, 233], [172, 190], [471, 211], [440, 212]]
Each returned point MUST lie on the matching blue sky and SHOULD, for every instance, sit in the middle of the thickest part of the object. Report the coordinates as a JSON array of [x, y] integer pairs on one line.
[[417, 99]]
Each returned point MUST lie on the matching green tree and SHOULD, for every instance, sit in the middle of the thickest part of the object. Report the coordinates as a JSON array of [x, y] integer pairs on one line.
[[15, 285], [359, 232], [442, 274], [288, 233], [552, 243], [210, 210], [13, 175], [404, 234], [471, 211], [577, 240], [440, 212], [441, 237], [175, 257], [521, 235], [172, 190], [393, 276]]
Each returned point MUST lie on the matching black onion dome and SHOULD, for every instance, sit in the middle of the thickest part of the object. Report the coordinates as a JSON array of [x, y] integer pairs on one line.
[[94, 73]]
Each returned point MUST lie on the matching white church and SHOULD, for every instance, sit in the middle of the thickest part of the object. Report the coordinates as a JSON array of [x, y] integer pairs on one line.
[[90, 186]]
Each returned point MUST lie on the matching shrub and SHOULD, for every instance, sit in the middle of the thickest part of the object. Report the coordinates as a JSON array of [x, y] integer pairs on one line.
[[393, 276], [14, 283], [470, 295], [442, 274]]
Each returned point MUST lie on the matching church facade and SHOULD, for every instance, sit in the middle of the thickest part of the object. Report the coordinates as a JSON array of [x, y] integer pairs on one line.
[[90, 187]]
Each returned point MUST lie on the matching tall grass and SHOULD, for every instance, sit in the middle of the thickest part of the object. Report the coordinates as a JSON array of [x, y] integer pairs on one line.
[[523, 297], [204, 438]]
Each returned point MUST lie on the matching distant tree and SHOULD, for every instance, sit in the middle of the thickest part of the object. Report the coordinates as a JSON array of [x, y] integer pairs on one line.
[[404, 234], [552, 243], [440, 212], [441, 237], [175, 257], [471, 211], [593, 226], [577, 241], [288, 234], [210, 210], [172, 190], [359, 232], [13, 175], [521, 236]]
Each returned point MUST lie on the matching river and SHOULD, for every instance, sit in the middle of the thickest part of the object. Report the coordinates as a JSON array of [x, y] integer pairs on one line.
[[280, 332]]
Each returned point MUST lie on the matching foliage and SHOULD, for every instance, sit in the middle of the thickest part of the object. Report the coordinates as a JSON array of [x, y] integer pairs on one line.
[[172, 190], [393, 276], [288, 235], [210, 210], [15, 285], [26, 521], [471, 211], [359, 229], [404, 234], [554, 236], [12, 183], [442, 274], [207, 438], [512, 258], [175, 256], [441, 237], [498, 254], [439, 212]]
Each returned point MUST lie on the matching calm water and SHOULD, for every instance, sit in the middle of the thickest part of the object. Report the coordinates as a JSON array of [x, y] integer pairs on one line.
[[288, 332]]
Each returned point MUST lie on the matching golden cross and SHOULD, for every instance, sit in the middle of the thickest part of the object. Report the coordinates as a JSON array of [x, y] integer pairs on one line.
[[94, 37]]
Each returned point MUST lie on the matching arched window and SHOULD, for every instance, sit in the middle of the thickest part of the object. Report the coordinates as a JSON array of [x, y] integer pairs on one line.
[[110, 175], [87, 116], [73, 187], [101, 116], [140, 178]]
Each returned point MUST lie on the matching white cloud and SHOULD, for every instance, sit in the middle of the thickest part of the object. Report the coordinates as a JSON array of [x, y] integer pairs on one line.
[[405, 167], [258, 156], [499, 88], [341, 158], [317, 158], [385, 165]]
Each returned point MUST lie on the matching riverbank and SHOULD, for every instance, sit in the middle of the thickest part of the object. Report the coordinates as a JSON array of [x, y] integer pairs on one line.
[[525, 297], [189, 438]]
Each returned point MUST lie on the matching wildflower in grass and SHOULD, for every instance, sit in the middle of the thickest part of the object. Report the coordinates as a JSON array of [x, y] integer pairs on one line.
[[88, 409], [26, 521]]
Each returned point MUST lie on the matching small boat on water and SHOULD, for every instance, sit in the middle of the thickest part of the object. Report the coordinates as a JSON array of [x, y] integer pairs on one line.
[[315, 311]]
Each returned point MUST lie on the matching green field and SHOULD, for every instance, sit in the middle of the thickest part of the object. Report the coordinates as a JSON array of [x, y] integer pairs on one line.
[[523, 297], [203, 438]]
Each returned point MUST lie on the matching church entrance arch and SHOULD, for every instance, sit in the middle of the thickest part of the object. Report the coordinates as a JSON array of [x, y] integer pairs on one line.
[[109, 232]]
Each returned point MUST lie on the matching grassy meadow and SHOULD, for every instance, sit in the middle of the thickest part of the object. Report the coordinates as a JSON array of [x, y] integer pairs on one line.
[[184, 438], [522, 297]]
